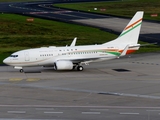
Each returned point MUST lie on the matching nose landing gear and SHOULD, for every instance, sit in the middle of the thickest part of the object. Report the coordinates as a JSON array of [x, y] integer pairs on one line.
[[20, 69]]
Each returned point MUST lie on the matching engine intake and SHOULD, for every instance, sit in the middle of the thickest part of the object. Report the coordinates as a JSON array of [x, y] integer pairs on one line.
[[63, 65]]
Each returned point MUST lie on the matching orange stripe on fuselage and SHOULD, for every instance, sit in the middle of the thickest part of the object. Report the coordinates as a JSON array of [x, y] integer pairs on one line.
[[133, 24], [128, 51]]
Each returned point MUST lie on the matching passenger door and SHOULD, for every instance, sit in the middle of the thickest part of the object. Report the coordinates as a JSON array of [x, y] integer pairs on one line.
[[26, 54]]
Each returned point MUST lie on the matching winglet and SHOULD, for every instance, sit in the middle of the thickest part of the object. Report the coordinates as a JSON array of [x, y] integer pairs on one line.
[[124, 51], [74, 42]]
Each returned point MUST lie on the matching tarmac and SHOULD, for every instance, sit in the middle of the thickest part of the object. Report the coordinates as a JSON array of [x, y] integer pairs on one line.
[[125, 88]]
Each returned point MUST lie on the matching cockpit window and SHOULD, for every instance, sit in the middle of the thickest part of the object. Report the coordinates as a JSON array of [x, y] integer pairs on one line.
[[14, 56]]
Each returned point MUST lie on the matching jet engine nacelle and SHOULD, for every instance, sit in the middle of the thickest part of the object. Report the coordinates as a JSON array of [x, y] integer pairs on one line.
[[63, 65]]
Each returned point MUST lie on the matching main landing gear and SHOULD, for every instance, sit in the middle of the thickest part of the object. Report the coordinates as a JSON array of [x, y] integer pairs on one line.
[[21, 70], [78, 67]]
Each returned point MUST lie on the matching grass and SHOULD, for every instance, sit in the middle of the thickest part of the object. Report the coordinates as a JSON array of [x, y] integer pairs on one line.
[[46, 32], [125, 8]]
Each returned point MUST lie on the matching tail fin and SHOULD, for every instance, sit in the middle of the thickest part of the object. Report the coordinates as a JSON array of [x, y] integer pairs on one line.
[[130, 34]]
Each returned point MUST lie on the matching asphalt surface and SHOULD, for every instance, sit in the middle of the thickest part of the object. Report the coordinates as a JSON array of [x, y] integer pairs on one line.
[[121, 89]]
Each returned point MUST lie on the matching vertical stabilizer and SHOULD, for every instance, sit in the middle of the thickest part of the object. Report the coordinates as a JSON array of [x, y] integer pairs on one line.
[[130, 34]]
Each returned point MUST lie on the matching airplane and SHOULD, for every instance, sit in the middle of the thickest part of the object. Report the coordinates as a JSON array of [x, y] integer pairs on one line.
[[73, 57]]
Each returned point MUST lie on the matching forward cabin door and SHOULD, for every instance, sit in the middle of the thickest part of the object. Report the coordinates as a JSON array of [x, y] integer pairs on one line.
[[26, 54]]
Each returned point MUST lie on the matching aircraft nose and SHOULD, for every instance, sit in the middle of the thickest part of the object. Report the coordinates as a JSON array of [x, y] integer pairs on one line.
[[6, 61]]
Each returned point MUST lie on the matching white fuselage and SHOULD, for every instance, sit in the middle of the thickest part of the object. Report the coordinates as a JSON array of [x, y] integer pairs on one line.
[[47, 56]]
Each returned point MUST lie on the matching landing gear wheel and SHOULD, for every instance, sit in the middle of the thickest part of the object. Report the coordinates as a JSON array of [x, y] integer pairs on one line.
[[21, 71], [80, 68]]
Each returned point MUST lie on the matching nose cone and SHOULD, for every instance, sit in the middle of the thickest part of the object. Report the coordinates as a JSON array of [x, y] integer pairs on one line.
[[6, 61]]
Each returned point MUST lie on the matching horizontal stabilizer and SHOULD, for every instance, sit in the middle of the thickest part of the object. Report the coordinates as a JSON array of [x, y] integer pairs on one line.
[[139, 45], [148, 44]]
